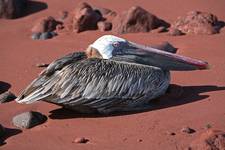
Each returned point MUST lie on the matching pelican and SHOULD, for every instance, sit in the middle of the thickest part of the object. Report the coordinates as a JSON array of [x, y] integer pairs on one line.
[[113, 75]]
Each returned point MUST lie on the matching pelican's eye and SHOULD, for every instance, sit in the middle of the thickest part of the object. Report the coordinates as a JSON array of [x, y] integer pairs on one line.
[[115, 44]]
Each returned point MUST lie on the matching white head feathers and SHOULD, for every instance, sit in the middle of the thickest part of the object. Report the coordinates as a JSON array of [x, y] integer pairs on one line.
[[105, 45]]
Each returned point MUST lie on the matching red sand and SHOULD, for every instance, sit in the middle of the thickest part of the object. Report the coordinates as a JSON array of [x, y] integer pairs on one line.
[[201, 103]]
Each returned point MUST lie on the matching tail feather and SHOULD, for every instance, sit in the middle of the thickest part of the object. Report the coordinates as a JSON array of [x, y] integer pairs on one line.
[[34, 91]]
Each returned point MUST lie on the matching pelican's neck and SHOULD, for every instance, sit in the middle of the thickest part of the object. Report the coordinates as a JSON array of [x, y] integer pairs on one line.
[[92, 53]]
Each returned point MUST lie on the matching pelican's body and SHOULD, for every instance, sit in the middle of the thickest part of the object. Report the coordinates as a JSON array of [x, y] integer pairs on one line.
[[104, 85]]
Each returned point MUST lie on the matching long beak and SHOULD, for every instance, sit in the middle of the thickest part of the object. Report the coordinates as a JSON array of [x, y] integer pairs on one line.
[[162, 59]]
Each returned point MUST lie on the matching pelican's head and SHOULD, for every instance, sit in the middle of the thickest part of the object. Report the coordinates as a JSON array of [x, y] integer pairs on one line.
[[112, 47]]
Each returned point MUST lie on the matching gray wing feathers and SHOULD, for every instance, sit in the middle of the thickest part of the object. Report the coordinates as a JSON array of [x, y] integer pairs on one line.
[[62, 62], [40, 87], [102, 84]]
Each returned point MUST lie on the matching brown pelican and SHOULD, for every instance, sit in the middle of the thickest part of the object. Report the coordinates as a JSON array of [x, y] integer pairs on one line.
[[113, 75]]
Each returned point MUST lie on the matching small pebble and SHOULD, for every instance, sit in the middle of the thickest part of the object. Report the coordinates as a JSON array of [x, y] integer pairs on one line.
[[80, 140], [187, 130], [171, 133], [175, 32], [36, 36], [45, 36], [7, 97], [28, 119], [42, 65]]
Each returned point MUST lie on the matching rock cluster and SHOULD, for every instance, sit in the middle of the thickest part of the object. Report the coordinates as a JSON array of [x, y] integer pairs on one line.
[[85, 17], [28, 119], [136, 19], [196, 22], [11, 9]]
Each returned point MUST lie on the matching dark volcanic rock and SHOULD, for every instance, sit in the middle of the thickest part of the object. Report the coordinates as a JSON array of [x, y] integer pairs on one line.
[[85, 18], [136, 19], [45, 36], [12, 8], [28, 119], [46, 24], [36, 36], [210, 140], [7, 97], [196, 22], [104, 26]]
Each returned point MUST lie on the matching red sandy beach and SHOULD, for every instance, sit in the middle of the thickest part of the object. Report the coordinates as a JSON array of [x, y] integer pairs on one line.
[[201, 103]]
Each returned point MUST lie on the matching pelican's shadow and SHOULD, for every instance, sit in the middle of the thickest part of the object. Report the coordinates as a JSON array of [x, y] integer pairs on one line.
[[176, 95], [8, 133]]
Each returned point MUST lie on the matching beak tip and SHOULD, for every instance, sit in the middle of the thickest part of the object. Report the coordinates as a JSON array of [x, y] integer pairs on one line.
[[205, 67]]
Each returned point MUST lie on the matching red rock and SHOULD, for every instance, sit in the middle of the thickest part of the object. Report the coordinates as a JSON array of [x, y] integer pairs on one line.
[[210, 140], [46, 24], [196, 22], [105, 12], [12, 8], [136, 19], [85, 18], [104, 26]]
